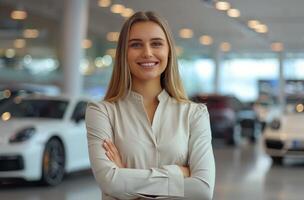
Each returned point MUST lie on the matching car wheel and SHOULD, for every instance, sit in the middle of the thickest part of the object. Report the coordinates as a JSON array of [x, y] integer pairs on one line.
[[53, 163], [277, 160]]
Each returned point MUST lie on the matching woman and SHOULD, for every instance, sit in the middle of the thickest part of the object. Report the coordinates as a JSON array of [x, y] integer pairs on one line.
[[146, 139]]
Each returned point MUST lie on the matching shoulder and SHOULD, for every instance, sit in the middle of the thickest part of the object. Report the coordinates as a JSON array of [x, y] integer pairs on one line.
[[193, 109], [193, 106], [101, 106], [198, 110]]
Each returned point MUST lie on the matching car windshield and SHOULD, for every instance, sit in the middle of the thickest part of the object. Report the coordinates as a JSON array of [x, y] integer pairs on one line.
[[34, 108]]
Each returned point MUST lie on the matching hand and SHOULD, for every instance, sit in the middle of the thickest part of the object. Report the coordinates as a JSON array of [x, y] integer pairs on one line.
[[185, 170], [112, 153]]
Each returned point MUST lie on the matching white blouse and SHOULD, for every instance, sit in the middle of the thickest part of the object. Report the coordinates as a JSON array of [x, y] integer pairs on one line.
[[179, 136]]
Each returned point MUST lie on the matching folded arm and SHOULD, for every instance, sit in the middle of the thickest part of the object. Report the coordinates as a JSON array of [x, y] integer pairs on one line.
[[200, 185], [124, 183]]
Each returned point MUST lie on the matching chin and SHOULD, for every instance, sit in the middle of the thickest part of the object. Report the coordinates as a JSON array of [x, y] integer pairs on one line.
[[147, 77]]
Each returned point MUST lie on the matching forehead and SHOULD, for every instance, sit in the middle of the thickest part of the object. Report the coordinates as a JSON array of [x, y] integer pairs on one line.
[[146, 30]]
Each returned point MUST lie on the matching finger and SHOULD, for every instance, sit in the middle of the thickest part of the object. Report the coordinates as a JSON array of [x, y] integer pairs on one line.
[[112, 153], [110, 156], [109, 152], [106, 146], [113, 158], [112, 147]]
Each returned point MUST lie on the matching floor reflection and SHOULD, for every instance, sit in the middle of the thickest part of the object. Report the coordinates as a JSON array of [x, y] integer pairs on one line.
[[76, 186], [243, 173], [247, 173]]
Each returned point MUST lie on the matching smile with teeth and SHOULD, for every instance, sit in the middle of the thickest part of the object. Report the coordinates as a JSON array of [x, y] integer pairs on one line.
[[148, 64]]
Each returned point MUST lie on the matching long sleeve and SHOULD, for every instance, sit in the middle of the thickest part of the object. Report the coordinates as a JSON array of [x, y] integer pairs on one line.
[[125, 183], [200, 185]]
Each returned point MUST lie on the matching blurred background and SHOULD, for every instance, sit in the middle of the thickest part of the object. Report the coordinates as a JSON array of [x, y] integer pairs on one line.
[[244, 59]]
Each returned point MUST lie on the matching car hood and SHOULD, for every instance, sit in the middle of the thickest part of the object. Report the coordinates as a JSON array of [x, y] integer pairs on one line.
[[293, 124], [10, 127]]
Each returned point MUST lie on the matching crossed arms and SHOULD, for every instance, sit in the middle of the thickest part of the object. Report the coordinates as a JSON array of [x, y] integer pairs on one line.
[[169, 181]]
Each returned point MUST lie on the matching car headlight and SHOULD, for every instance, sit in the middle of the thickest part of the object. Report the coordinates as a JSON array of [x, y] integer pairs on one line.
[[23, 135], [275, 124]]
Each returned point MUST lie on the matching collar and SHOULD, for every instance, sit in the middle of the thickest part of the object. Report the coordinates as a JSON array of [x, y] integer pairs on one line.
[[162, 96]]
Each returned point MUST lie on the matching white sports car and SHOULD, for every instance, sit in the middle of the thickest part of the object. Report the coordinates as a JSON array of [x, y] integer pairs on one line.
[[284, 136], [42, 138]]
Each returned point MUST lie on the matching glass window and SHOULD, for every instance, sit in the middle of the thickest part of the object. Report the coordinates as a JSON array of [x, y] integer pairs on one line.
[[79, 111], [197, 75], [240, 76], [294, 68], [35, 108]]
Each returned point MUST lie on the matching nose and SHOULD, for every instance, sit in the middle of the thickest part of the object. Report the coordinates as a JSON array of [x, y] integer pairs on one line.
[[147, 51]]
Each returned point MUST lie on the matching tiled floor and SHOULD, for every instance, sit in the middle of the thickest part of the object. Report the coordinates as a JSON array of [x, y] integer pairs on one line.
[[243, 173]]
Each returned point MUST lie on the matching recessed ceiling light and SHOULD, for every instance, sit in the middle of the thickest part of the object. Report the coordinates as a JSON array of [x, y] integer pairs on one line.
[[19, 15], [277, 46], [127, 12], [225, 46], [30, 33], [261, 28], [206, 40], [233, 13], [253, 23], [117, 8], [104, 3], [222, 5], [186, 33]]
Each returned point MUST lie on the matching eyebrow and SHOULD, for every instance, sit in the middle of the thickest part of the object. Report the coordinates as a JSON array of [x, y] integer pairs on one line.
[[138, 40]]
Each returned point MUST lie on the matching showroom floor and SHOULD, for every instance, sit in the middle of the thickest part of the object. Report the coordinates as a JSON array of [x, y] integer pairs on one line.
[[243, 173]]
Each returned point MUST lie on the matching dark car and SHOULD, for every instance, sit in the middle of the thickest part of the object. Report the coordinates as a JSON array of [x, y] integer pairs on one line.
[[247, 117], [230, 119], [9, 92]]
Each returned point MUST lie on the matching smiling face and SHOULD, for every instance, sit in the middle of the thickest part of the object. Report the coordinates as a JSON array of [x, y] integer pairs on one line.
[[147, 52]]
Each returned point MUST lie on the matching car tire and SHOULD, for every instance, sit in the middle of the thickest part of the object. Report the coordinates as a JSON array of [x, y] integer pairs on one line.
[[277, 160], [53, 163]]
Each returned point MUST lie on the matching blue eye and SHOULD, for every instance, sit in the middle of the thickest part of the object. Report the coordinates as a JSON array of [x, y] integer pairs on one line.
[[157, 44], [135, 45]]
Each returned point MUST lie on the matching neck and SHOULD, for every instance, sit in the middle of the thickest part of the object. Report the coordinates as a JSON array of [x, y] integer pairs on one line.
[[149, 90]]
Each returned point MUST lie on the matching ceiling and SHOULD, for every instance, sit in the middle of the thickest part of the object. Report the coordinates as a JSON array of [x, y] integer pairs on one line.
[[285, 21]]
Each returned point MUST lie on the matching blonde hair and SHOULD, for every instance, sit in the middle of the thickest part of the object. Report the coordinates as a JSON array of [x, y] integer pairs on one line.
[[120, 83]]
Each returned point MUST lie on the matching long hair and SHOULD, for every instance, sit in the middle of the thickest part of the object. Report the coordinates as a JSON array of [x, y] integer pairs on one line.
[[121, 79]]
